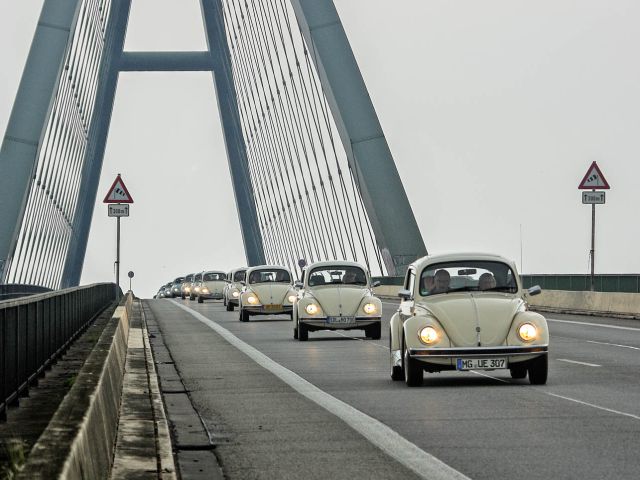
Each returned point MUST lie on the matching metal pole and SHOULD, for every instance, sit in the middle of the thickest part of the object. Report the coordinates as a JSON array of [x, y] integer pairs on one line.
[[118, 259], [593, 242]]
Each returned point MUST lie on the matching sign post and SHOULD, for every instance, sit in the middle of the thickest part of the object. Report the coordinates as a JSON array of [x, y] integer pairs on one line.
[[593, 179], [116, 197], [130, 275]]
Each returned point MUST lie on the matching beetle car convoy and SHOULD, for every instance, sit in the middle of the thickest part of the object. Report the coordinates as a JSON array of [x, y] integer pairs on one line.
[[457, 312]]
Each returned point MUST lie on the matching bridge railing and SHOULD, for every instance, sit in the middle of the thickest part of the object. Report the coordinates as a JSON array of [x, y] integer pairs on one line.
[[36, 329]]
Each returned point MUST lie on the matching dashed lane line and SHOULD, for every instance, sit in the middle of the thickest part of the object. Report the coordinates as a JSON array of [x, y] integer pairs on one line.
[[579, 363], [616, 327], [389, 441], [613, 344]]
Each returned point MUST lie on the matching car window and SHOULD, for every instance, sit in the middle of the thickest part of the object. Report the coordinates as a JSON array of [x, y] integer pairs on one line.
[[471, 275], [212, 277], [198, 277], [341, 274], [239, 276], [274, 275]]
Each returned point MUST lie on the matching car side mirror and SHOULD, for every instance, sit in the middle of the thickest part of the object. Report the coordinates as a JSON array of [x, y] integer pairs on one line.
[[535, 290], [404, 294], [298, 285], [375, 284]]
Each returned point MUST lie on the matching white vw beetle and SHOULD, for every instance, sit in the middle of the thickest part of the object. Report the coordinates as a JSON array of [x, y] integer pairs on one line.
[[336, 295], [234, 287], [466, 312], [212, 286], [268, 290]]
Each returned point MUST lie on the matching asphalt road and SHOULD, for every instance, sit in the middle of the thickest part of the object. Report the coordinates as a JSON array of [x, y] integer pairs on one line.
[[585, 423]]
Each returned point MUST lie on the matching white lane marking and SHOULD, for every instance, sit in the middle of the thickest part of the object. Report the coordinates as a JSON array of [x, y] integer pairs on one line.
[[389, 441], [633, 329], [595, 406], [612, 344], [489, 376], [369, 342], [578, 363]]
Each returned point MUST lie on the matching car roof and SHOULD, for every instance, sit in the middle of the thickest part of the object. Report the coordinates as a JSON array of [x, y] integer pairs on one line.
[[215, 271], [460, 256], [335, 263], [267, 267]]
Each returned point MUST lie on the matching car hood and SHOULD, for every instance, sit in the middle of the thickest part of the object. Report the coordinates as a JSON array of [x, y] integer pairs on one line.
[[271, 293], [339, 300], [214, 286], [462, 314]]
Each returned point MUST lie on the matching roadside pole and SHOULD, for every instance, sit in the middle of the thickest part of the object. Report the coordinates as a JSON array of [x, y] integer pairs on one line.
[[118, 200], [594, 179]]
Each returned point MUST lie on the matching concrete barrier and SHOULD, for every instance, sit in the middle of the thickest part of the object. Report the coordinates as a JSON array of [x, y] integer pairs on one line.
[[79, 441], [611, 304]]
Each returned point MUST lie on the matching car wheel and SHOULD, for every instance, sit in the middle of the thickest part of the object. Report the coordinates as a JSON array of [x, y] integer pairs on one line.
[[224, 301], [518, 371], [190, 297], [182, 296], [200, 300], [396, 370], [229, 307], [538, 369], [373, 331], [303, 332], [244, 315], [412, 370]]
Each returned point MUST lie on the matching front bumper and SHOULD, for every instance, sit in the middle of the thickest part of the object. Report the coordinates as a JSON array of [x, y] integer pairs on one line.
[[211, 295], [262, 310], [321, 322], [476, 352]]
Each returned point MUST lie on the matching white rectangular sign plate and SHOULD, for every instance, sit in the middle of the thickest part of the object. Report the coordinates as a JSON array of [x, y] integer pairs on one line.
[[593, 197], [118, 210]]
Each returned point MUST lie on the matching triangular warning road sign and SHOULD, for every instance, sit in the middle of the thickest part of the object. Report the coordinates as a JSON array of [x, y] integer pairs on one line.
[[118, 193], [594, 179]]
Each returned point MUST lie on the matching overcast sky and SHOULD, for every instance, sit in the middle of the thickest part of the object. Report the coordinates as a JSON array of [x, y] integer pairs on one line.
[[493, 110]]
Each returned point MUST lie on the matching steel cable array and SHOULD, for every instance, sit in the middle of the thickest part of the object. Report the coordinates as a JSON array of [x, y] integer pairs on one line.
[[47, 226], [307, 195]]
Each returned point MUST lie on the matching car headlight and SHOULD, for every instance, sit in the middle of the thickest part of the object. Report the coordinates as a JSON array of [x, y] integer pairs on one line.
[[205, 290], [527, 332], [236, 294], [252, 300], [428, 335], [312, 309], [369, 308], [292, 298]]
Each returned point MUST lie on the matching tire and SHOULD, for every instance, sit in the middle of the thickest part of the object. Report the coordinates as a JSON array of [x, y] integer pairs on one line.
[[200, 300], [224, 300], [396, 371], [303, 332], [182, 296], [374, 332], [518, 371], [229, 307], [191, 297], [412, 370], [244, 315], [538, 370]]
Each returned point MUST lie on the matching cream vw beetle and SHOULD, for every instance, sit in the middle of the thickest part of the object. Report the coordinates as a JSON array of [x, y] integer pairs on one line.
[[336, 295], [233, 288], [466, 312], [268, 290], [212, 286]]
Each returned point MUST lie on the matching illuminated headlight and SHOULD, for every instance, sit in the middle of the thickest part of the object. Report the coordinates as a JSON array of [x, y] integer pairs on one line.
[[197, 289], [292, 298], [187, 289], [369, 308], [428, 335], [252, 300], [312, 309], [236, 294], [527, 332], [205, 290]]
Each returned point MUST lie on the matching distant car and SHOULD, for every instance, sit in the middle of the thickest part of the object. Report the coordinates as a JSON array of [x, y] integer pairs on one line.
[[185, 289], [160, 293], [212, 286], [195, 286], [336, 295], [466, 312], [268, 290], [176, 286], [234, 287], [166, 290]]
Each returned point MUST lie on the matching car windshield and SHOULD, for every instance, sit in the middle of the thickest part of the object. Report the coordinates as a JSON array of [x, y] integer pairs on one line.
[[471, 276], [341, 274], [188, 278], [211, 277], [239, 276], [198, 277], [179, 280], [275, 275]]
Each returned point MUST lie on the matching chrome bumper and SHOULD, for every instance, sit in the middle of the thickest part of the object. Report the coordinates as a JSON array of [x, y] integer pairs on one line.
[[474, 352], [259, 309]]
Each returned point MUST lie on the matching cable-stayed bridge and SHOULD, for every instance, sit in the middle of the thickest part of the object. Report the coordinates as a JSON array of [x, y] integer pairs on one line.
[[312, 173]]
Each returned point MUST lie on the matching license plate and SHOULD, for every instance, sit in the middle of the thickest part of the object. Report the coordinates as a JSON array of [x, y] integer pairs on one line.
[[481, 363], [341, 320], [272, 308]]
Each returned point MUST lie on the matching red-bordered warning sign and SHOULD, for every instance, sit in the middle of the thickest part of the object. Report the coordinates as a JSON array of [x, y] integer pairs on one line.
[[118, 192], [594, 179]]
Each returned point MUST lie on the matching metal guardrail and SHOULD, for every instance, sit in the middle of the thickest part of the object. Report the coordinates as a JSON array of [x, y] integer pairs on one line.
[[625, 283], [37, 329]]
